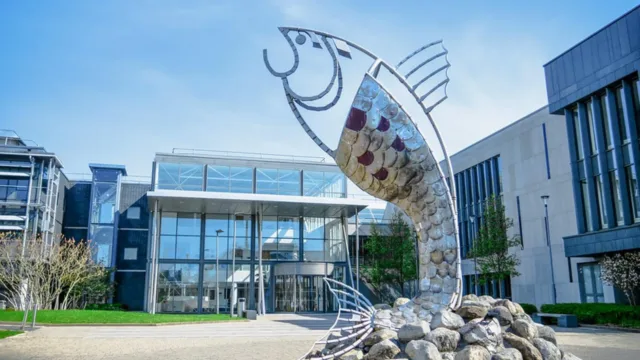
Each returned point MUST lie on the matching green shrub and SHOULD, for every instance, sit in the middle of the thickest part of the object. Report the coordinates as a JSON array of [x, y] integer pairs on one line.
[[109, 307], [615, 314], [529, 308]]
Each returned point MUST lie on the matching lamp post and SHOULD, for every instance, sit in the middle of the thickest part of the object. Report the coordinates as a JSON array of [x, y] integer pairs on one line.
[[545, 199], [217, 274], [233, 266], [472, 218]]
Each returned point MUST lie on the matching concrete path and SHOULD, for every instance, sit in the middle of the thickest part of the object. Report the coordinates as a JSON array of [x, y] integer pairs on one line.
[[280, 337]]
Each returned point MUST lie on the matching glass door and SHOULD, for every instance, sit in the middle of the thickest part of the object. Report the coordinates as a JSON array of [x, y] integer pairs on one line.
[[590, 283]]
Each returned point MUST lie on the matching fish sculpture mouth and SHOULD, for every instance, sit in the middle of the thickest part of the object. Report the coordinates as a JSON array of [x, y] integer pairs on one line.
[[383, 152]]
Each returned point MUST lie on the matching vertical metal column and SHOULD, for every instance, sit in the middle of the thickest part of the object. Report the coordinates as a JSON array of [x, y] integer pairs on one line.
[[26, 220], [346, 244], [154, 259], [262, 310], [358, 252], [587, 163], [607, 200], [575, 173], [233, 267]]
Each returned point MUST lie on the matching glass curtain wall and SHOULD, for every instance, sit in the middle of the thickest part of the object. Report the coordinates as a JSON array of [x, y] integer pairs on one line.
[[323, 184]]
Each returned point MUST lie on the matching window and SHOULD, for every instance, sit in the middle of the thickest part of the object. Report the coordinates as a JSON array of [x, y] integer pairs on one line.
[[600, 199], [102, 240], [130, 254], [133, 213], [323, 184], [605, 120], [499, 175], [591, 128], [578, 137], [12, 189], [635, 89], [624, 134], [617, 196], [585, 205], [278, 181], [590, 283], [180, 176], [633, 192], [178, 288], [229, 179], [104, 203], [180, 236]]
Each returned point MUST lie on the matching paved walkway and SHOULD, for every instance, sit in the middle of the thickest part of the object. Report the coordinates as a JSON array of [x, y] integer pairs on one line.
[[281, 337]]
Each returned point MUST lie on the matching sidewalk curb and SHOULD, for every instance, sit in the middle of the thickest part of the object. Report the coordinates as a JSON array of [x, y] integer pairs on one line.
[[615, 328], [130, 324]]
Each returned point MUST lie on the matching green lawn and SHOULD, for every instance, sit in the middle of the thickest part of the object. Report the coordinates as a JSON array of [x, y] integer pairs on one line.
[[109, 317], [7, 333]]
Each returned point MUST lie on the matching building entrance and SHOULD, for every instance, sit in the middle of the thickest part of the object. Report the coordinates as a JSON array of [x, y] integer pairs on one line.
[[305, 292]]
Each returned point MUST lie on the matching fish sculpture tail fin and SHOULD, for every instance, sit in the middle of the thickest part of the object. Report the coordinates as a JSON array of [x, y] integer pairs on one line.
[[355, 321]]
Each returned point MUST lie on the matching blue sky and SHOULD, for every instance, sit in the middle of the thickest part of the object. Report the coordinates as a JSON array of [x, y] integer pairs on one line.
[[116, 81]]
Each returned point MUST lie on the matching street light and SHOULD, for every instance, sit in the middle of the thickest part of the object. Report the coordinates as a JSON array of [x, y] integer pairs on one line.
[[472, 218], [217, 274], [545, 199]]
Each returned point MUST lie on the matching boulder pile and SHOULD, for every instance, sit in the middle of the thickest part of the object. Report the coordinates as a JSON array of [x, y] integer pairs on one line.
[[483, 328]]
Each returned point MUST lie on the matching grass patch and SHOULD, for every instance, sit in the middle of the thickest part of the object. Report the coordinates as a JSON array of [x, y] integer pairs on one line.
[[7, 333], [109, 317]]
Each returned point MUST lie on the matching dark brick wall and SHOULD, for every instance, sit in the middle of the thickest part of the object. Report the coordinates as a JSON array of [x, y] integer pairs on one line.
[[134, 195]]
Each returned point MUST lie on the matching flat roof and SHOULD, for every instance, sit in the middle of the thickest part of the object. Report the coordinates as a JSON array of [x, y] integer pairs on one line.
[[237, 203]]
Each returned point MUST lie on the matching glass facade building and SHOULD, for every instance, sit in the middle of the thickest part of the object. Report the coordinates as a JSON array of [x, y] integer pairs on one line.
[[217, 218]]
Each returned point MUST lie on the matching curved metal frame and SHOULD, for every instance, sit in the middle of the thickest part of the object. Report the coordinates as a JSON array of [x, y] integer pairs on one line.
[[374, 71]]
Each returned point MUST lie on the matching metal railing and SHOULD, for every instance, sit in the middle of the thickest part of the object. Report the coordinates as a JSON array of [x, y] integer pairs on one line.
[[247, 155], [129, 179]]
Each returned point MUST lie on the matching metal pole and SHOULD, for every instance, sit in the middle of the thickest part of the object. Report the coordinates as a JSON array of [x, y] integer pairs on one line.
[[546, 226], [233, 267], [358, 253], [261, 302], [154, 259], [475, 256], [35, 312], [217, 276]]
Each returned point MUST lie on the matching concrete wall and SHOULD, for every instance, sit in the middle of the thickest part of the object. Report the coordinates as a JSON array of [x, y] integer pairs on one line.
[[524, 175]]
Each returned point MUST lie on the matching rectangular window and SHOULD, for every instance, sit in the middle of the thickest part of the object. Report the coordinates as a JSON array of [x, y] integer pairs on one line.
[[605, 120], [546, 149], [499, 175], [178, 288], [624, 133], [133, 213], [520, 222], [635, 88], [180, 176], [180, 236], [585, 204], [633, 192], [617, 196], [130, 254], [591, 128], [600, 198], [578, 137]]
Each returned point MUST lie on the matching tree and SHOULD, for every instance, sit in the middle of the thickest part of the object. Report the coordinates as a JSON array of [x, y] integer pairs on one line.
[[393, 255], [45, 274], [623, 272], [492, 243]]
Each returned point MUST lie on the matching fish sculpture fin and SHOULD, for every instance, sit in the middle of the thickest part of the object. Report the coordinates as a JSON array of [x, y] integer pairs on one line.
[[434, 77], [355, 321]]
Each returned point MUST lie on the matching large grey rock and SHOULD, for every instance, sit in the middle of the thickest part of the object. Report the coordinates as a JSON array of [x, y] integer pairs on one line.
[[470, 297], [507, 354], [383, 320], [524, 317], [487, 333], [509, 305], [386, 349], [525, 329], [519, 308], [502, 314], [422, 350], [472, 310], [447, 319], [547, 333], [353, 354], [400, 301], [448, 356], [473, 352], [570, 356], [528, 351], [413, 331], [379, 336], [488, 299], [547, 349], [444, 339], [382, 307]]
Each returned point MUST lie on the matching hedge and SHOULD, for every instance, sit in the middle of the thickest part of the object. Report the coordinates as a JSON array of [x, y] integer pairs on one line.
[[615, 314], [529, 308]]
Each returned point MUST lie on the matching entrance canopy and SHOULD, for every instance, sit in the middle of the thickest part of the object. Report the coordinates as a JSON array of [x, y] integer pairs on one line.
[[237, 203]]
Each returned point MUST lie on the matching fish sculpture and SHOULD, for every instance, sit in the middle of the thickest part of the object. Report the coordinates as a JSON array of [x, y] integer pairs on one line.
[[384, 153]]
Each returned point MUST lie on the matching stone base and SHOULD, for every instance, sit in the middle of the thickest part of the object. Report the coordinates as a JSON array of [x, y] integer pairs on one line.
[[483, 328]]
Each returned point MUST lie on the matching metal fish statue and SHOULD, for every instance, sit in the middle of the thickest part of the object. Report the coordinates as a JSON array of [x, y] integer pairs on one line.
[[384, 153]]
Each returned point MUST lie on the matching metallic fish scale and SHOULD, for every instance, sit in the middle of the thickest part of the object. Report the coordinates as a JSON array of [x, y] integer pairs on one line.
[[383, 153]]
